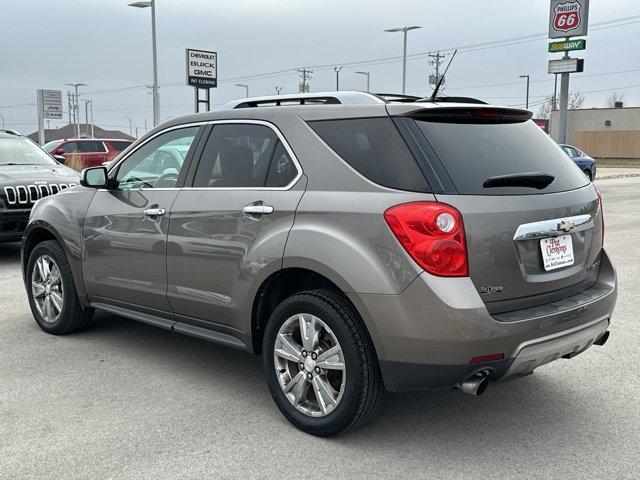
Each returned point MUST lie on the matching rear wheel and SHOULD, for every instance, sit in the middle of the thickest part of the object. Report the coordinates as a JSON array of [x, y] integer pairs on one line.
[[52, 292], [320, 365]]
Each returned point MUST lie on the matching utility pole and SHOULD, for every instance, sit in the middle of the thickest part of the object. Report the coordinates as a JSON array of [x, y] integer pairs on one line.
[[76, 106], [70, 106], [366, 74], [337, 70], [528, 79], [435, 60], [278, 90], [145, 126], [305, 76], [130, 126], [86, 116], [93, 135]]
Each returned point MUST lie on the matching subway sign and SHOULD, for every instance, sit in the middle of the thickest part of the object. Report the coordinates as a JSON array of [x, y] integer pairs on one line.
[[567, 46]]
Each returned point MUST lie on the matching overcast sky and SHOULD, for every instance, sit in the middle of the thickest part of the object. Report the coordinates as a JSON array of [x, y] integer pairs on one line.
[[107, 45]]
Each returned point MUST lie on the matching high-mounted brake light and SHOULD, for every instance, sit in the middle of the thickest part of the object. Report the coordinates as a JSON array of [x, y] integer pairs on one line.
[[432, 233], [601, 214]]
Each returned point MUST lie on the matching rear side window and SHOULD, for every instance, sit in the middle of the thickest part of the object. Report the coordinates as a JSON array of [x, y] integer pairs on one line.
[[90, 146], [373, 147], [474, 152], [119, 146]]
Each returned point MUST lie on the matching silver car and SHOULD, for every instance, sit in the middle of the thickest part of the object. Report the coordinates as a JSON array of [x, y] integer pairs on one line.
[[359, 243]]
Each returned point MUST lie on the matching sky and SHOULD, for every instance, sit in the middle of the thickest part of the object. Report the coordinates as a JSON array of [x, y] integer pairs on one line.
[[107, 45]]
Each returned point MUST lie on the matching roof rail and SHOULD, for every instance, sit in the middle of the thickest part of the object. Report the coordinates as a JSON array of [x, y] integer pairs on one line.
[[320, 98], [9, 131]]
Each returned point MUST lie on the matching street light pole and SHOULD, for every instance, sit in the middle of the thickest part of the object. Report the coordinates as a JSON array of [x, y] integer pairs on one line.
[[528, 79], [246, 88], [154, 87], [366, 74], [76, 106], [404, 30], [130, 126], [337, 70]]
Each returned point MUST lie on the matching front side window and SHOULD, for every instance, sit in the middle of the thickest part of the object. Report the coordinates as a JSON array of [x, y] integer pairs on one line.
[[119, 145], [20, 151], [157, 163], [51, 146], [68, 147], [236, 155]]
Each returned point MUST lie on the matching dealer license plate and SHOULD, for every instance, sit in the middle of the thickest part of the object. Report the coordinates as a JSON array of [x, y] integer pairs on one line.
[[557, 252]]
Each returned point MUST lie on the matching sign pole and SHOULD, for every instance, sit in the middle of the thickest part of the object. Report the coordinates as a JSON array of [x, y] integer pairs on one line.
[[564, 105]]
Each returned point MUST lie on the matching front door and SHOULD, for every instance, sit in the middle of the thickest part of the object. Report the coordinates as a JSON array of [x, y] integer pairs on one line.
[[125, 233], [231, 226]]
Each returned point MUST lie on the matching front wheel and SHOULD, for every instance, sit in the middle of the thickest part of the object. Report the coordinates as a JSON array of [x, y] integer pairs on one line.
[[320, 366], [52, 292]]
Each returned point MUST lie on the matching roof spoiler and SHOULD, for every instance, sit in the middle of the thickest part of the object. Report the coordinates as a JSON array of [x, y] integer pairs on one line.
[[467, 114]]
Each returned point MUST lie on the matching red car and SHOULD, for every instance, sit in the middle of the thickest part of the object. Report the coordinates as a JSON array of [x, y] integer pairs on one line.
[[90, 152]]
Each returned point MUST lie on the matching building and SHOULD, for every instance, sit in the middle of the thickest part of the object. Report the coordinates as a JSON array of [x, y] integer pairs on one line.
[[603, 132], [69, 131]]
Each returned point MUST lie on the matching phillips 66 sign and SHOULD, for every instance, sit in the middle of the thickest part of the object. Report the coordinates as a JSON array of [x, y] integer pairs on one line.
[[568, 18]]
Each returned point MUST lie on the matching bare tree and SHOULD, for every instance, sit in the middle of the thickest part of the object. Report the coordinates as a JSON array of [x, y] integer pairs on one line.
[[576, 100], [613, 98]]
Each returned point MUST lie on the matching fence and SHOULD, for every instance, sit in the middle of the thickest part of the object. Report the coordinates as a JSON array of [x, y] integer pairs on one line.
[[611, 144]]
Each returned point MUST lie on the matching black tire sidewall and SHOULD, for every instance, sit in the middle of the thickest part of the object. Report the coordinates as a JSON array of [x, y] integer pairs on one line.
[[346, 410], [53, 250]]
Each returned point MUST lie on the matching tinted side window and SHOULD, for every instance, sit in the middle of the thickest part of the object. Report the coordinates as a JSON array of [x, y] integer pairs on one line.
[[373, 147], [236, 155], [69, 147], [119, 146], [473, 152], [90, 146], [282, 170]]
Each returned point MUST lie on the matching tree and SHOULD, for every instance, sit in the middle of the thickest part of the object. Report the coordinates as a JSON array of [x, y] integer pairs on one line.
[[576, 100], [613, 98]]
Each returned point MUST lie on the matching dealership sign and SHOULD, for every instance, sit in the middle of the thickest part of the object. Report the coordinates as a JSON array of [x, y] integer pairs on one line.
[[567, 45], [568, 18], [202, 68], [49, 104]]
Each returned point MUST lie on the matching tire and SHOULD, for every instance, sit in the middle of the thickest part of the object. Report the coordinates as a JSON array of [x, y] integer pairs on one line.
[[68, 317], [589, 176], [358, 386]]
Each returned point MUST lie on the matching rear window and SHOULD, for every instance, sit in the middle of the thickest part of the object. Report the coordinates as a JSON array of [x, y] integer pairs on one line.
[[119, 146], [473, 152], [373, 147], [91, 146]]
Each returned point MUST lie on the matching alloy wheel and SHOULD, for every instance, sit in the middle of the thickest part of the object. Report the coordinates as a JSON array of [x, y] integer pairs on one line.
[[310, 365], [46, 288]]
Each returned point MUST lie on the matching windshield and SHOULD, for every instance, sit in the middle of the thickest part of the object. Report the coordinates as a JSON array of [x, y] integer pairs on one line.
[[51, 146], [473, 153], [20, 151]]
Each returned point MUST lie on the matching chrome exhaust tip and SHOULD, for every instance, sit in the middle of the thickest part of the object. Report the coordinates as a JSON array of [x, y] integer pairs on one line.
[[602, 339], [476, 385]]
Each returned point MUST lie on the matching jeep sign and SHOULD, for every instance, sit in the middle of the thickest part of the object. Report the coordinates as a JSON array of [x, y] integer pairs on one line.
[[202, 68], [568, 18]]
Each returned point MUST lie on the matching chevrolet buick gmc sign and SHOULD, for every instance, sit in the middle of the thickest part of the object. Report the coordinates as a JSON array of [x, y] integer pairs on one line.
[[568, 18], [202, 68]]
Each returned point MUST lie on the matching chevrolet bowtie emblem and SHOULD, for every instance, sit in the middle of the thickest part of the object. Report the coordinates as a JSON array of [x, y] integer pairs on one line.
[[566, 225]]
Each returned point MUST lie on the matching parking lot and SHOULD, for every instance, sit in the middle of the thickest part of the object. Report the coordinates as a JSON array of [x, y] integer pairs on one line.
[[125, 400]]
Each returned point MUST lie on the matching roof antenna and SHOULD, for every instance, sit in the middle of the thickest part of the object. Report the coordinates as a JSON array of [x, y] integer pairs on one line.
[[441, 79]]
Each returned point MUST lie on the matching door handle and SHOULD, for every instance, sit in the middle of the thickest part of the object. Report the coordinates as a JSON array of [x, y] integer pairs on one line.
[[154, 212], [257, 209]]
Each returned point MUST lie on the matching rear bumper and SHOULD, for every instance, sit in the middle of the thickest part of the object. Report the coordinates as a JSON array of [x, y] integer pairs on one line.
[[13, 224], [426, 336]]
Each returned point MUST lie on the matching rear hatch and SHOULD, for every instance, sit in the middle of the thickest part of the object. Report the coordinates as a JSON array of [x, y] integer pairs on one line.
[[532, 219]]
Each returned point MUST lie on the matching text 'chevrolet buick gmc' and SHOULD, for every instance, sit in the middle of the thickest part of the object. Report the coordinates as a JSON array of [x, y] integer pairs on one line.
[[27, 174], [358, 242]]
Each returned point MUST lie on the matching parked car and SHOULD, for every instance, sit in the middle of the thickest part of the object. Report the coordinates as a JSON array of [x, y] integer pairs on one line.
[[27, 173], [360, 244], [88, 152], [582, 160]]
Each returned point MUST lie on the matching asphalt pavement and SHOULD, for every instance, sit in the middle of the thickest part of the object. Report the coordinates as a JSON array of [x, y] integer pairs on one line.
[[128, 401]]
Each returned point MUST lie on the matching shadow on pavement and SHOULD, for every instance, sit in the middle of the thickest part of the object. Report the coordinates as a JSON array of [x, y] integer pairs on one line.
[[9, 253]]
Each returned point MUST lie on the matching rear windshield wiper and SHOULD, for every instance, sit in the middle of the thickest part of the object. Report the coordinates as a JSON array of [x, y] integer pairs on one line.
[[537, 180]]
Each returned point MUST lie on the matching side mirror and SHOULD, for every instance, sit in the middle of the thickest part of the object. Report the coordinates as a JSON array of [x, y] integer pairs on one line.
[[94, 177], [60, 158]]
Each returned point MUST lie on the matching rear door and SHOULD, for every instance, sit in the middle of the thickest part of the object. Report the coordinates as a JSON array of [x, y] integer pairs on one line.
[[528, 242], [230, 226]]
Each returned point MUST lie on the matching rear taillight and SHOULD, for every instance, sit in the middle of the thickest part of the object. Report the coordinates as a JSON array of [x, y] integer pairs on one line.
[[433, 235], [601, 214]]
